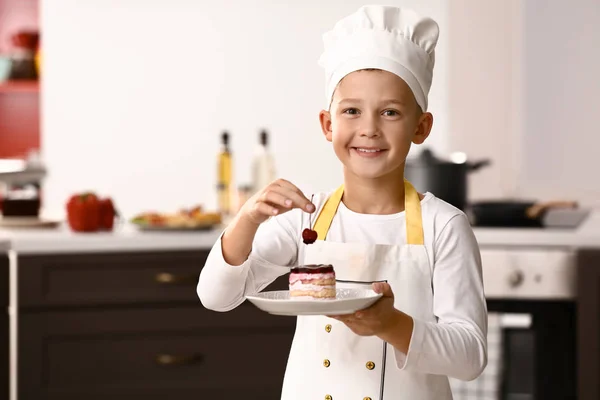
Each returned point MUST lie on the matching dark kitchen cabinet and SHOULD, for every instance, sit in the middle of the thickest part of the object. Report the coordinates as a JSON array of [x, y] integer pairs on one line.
[[588, 324], [129, 325]]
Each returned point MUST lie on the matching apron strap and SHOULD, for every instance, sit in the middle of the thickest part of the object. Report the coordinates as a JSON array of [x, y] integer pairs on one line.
[[412, 206], [323, 221], [414, 219]]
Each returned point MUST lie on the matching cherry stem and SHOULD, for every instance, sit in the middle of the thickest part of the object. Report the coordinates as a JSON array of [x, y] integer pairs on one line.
[[309, 215]]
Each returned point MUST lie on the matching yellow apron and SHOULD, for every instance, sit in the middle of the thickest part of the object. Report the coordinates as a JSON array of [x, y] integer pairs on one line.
[[327, 360]]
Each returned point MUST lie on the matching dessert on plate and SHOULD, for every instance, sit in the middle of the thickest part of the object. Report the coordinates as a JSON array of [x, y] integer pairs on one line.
[[312, 282]]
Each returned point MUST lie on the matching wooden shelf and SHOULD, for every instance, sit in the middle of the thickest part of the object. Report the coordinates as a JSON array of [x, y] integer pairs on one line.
[[19, 87]]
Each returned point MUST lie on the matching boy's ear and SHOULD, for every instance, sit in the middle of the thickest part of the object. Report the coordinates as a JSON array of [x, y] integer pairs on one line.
[[325, 119], [423, 128]]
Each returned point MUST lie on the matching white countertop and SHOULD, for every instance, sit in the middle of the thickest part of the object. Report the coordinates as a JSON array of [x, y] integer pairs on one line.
[[128, 238], [124, 238], [587, 235]]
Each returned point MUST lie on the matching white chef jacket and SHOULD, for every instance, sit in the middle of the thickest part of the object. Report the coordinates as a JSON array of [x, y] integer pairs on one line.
[[455, 346]]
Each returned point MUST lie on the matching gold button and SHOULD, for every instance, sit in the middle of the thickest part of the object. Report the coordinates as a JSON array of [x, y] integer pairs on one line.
[[367, 398], [327, 328], [326, 363], [328, 397], [370, 365]]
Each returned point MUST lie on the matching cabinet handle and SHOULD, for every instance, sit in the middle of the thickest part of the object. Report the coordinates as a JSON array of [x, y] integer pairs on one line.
[[167, 278], [171, 360]]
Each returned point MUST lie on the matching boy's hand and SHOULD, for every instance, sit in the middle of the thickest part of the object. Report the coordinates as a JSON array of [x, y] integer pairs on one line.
[[382, 320], [277, 198], [375, 320]]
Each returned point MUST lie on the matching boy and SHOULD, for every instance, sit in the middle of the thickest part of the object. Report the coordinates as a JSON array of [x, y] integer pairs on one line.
[[415, 249]]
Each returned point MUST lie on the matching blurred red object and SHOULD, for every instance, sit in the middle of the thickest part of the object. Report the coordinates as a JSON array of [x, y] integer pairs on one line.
[[86, 212], [107, 214], [83, 212], [26, 39]]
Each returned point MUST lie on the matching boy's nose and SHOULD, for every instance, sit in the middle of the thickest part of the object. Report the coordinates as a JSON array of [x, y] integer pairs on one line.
[[370, 131], [369, 127]]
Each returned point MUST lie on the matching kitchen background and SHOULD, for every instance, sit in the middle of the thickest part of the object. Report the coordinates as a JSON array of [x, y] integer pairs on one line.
[[134, 95]]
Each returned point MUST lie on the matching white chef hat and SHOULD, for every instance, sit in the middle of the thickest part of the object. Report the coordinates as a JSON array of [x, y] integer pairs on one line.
[[389, 38]]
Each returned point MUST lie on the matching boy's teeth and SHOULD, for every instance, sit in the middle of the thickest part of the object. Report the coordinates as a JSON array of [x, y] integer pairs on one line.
[[368, 150]]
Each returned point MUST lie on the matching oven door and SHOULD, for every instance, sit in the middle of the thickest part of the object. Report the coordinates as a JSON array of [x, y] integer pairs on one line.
[[531, 353], [518, 355], [531, 293], [538, 349]]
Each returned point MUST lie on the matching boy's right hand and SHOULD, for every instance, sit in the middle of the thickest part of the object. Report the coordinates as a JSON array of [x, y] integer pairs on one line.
[[277, 198]]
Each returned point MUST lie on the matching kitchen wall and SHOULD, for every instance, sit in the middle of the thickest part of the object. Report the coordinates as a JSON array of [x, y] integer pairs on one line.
[[136, 93], [561, 141], [524, 91], [484, 71]]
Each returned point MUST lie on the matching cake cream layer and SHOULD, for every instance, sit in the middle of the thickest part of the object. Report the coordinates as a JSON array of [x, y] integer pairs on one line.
[[315, 294], [294, 277], [308, 286]]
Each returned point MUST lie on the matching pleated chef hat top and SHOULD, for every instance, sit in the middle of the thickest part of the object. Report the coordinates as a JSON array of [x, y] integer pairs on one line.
[[392, 39]]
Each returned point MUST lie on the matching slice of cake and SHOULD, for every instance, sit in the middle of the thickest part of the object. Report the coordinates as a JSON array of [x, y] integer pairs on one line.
[[312, 281]]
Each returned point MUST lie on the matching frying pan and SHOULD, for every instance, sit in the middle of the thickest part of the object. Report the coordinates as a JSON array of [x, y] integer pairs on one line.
[[513, 213]]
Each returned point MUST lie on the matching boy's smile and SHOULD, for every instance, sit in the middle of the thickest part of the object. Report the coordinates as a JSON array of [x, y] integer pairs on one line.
[[372, 122], [369, 152]]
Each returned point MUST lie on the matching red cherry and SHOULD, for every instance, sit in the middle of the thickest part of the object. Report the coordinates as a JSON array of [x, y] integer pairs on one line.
[[309, 236]]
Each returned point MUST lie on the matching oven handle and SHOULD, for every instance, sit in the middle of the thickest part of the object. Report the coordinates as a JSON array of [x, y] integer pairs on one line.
[[515, 321]]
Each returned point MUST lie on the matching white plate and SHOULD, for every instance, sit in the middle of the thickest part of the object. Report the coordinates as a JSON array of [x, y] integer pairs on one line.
[[167, 228], [27, 222], [347, 301]]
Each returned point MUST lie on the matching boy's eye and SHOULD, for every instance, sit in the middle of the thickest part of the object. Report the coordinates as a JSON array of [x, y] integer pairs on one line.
[[351, 111], [391, 113]]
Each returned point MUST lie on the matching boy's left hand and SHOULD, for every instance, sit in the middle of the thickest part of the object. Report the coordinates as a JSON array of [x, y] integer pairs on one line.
[[376, 319]]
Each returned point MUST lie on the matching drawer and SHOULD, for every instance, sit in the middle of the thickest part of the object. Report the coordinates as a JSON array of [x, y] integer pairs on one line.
[[115, 278], [4, 281], [180, 353]]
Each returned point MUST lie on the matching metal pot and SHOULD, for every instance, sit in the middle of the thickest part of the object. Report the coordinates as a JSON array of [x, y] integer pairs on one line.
[[447, 180]]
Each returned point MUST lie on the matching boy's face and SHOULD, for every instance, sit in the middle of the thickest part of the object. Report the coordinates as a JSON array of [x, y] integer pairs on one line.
[[373, 120]]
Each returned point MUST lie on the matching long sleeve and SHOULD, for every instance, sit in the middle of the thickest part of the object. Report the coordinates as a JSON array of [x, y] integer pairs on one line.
[[222, 287], [456, 345]]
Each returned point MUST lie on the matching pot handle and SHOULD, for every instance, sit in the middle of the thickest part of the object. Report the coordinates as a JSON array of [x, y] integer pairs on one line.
[[538, 209], [479, 164]]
